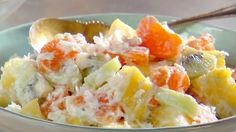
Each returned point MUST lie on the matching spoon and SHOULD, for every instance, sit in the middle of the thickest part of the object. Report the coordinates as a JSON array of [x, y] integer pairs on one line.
[[43, 30], [222, 12]]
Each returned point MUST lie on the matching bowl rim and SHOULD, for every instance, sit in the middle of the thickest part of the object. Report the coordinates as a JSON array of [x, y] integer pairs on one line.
[[196, 126]]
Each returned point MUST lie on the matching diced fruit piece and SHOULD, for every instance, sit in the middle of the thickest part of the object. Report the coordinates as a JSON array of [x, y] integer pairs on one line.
[[54, 56], [220, 56], [103, 74], [41, 86], [4, 98], [128, 31], [197, 63], [8, 79], [57, 62], [133, 56], [182, 102], [166, 116], [218, 89], [32, 109], [204, 42], [137, 56], [22, 81], [69, 76], [174, 77], [56, 100], [73, 120], [161, 41], [137, 93]]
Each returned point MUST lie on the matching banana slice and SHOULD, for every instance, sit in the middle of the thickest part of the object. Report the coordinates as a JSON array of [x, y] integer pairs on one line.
[[197, 63]]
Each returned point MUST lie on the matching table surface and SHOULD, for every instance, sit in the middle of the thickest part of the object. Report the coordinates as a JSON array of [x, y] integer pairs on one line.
[[32, 10]]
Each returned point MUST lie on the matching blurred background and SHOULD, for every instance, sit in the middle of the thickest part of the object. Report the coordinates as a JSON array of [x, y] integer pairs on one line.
[[15, 12]]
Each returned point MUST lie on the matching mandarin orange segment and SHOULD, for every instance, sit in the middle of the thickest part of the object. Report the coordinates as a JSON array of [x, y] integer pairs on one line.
[[172, 76], [137, 57], [204, 42], [46, 105], [59, 56], [159, 76], [145, 25], [120, 57], [178, 81], [162, 43]]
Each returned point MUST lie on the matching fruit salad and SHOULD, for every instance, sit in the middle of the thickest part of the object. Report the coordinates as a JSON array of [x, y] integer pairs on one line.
[[146, 77]]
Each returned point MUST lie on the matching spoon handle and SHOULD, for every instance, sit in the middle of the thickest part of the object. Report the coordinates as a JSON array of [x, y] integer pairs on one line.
[[222, 12]]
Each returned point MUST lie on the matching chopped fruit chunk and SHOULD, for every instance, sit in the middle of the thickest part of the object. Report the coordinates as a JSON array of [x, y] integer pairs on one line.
[[22, 81], [161, 42], [73, 120], [220, 56], [133, 56], [56, 96], [56, 56], [204, 42], [197, 63], [32, 109], [137, 56], [4, 98], [136, 94], [128, 31], [174, 77], [181, 102], [103, 74], [218, 89], [165, 116]]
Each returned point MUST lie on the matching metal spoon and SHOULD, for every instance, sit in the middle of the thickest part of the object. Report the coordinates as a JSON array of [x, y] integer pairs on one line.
[[227, 11], [45, 29]]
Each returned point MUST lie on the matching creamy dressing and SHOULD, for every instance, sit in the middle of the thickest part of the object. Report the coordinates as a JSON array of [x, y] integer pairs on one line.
[[101, 105]]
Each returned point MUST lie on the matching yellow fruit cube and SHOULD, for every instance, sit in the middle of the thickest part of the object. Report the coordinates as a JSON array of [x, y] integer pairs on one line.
[[128, 31], [217, 88], [7, 78], [4, 98], [73, 120], [32, 109], [136, 94], [166, 116], [220, 56]]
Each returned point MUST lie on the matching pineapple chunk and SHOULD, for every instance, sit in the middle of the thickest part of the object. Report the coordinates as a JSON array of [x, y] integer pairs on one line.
[[136, 94], [128, 31], [103, 74], [32, 109], [73, 120], [4, 98], [166, 116], [22, 81], [183, 103], [217, 88], [220, 56]]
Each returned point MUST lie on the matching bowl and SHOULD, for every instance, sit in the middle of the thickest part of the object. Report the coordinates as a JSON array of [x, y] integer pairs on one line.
[[8, 6], [9, 121]]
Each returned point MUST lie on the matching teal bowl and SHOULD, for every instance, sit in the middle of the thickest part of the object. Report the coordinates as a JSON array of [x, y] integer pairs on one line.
[[14, 41]]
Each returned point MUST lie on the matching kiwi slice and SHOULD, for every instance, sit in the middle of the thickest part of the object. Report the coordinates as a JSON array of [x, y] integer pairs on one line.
[[197, 63]]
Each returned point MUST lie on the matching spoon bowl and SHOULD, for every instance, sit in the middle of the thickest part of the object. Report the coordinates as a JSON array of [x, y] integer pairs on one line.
[[44, 30]]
